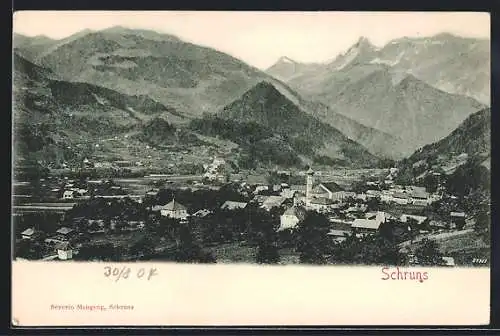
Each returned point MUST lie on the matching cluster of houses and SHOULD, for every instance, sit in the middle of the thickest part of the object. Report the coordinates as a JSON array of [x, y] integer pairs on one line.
[[346, 210], [216, 170], [68, 189], [62, 243]]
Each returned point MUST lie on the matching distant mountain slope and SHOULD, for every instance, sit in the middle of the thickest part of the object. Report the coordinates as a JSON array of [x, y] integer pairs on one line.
[[470, 142], [454, 64], [265, 106], [472, 137], [410, 109], [191, 78], [286, 69], [418, 85], [51, 114], [30, 47], [451, 63]]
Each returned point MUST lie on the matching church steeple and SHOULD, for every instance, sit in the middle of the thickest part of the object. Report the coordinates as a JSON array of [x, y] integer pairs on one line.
[[309, 184]]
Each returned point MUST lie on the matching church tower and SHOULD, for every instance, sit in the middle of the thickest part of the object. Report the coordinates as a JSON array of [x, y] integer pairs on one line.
[[309, 185]]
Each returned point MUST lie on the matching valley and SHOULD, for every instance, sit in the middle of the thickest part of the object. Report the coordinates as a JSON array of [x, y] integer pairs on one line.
[[136, 145]]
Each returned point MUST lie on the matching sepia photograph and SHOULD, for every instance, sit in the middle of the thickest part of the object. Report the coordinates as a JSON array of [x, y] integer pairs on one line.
[[311, 138]]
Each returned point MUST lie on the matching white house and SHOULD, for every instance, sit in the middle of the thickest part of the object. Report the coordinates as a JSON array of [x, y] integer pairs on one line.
[[371, 223], [291, 218], [28, 233], [233, 205], [449, 261], [65, 231], [68, 194], [320, 204], [260, 189], [366, 225], [420, 197], [173, 210], [273, 202], [64, 251], [420, 219], [400, 198]]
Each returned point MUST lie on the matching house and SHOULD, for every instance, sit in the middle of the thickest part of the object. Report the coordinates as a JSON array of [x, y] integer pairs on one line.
[[420, 219], [437, 225], [420, 197], [64, 251], [449, 261], [28, 233], [258, 199], [291, 218], [365, 225], [400, 198], [457, 220], [152, 193], [299, 188], [173, 210], [232, 205], [202, 213], [288, 193], [373, 193], [260, 189], [68, 194], [65, 232], [98, 225], [358, 208], [273, 202], [81, 192], [321, 204], [361, 197], [371, 223], [339, 235]]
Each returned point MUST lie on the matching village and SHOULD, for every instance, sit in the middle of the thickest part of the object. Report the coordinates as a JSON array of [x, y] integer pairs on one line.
[[83, 215]]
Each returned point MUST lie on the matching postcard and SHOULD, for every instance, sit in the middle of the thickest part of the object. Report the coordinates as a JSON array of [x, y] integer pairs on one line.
[[233, 168]]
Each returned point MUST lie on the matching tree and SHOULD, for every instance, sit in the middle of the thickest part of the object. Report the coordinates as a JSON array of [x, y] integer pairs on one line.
[[428, 253], [267, 253], [267, 238], [144, 246], [29, 249], [188, 249], [483, 222], [431, 183], [312, 239]]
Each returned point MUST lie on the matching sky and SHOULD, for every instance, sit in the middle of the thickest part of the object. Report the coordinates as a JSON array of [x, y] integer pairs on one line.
[[261, 38]]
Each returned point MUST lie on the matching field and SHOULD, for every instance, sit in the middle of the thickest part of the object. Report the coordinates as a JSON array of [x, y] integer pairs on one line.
[[242, 253], [463, 246]]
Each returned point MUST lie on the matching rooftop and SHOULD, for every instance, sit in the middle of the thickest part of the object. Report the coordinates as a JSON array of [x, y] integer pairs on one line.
[[174, 206], [297, 211], [332, 186], [28, 232], [273, 201], [366, 224], [231, 205], [64, 230]]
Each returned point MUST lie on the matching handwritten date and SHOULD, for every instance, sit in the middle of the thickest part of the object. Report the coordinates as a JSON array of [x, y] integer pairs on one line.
[[125, 272]]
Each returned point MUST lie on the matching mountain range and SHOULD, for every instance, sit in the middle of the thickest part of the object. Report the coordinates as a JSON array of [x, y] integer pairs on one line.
[[417, 88], [121, 80], [54, 115]]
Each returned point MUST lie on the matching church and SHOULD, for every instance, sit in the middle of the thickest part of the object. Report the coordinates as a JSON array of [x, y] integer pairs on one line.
[[321, 195]]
